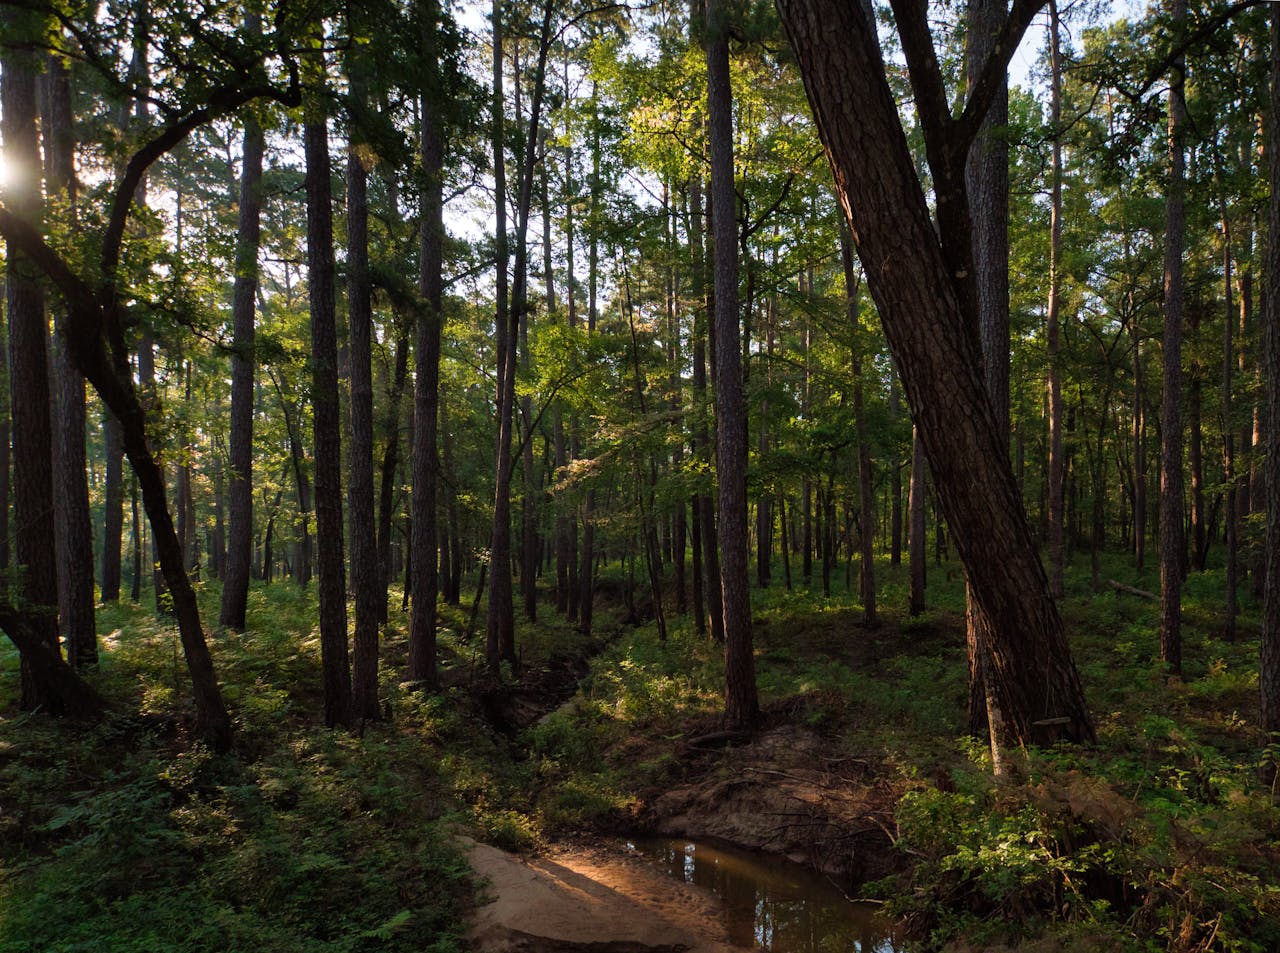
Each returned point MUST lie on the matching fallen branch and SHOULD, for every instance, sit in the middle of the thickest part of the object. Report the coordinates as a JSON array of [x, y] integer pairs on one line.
[[1131, 591]]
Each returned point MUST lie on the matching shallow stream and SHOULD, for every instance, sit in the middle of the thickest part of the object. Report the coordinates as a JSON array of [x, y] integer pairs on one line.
[[775, 905]]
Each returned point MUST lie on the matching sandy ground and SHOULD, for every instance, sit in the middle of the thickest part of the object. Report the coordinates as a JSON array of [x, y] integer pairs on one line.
[[588, 899]]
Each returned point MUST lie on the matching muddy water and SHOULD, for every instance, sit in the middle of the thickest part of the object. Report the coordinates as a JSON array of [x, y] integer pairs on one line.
[[771, 904]]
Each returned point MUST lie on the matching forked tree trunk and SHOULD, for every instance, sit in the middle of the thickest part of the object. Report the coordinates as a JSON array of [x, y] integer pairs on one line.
[[931, 334]]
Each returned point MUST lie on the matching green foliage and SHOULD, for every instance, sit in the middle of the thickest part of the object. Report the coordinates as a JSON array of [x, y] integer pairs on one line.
[[125, 837]]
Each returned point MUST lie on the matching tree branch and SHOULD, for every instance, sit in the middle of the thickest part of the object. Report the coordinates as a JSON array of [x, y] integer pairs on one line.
[[993, 73], [927, 87]]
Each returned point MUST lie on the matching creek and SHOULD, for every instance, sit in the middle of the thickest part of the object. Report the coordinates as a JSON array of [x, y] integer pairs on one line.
[[770, 903]]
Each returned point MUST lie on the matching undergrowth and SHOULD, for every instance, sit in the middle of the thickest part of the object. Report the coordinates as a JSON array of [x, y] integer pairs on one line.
[[1162, 838]]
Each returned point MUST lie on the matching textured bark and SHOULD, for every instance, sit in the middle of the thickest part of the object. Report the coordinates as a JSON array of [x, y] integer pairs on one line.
[[327, 427], [426, 402], [71, 502], [1269, 663], [29, 391], [65, 693], [235, 579], [1052, 318], [1171, 491], [932, 335], [741, 704], [365, 577], [986, 178]]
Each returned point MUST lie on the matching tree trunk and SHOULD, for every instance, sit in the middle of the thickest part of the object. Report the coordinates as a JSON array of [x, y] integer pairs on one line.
[[866, 540], [918, 554], [29, 377], [1053, 319], [741, 705], [370, 602], [327, 425], [71, 503], [235, 578], [390, 465], [1228, 436], [1269, 664], [931, 327], [895, 475], [426, 400], [1171, 538], [500, 637]]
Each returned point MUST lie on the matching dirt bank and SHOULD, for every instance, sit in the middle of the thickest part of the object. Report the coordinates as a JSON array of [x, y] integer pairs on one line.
[[591, 899]]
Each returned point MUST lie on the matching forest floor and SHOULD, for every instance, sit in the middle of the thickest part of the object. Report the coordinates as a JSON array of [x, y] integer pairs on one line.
[[1164, 836]]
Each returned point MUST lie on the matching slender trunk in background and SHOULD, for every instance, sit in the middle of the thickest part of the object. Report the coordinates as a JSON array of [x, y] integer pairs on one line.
[[741, 705], [370, 602], [29, 375], [390, 462], [500, 637], [426, 400], [1171, 503], [235, 580], [1139, 457], [1195, 457], [135, 592], [1269, 665], [520, 313], [918, 555], [1228, 436], [327, 424], [5, 461], [71, 502], [895, 474], [866, 540], [1053, 319]]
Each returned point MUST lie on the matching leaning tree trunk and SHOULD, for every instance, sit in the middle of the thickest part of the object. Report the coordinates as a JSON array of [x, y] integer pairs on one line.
[[930, 326], [235, 579]]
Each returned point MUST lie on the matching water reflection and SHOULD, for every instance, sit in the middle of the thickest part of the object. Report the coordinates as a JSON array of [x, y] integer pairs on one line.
[[771, 904]]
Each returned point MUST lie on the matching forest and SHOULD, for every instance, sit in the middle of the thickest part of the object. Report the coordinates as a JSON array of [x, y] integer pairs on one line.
[[553, 475]]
